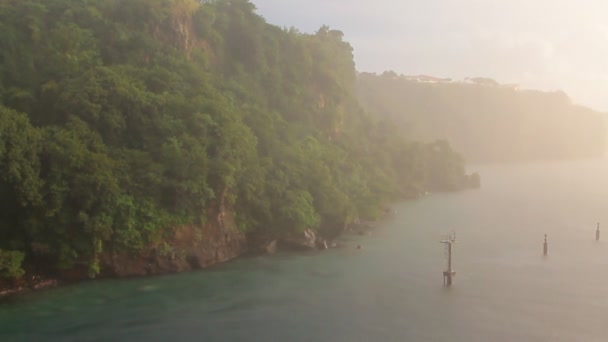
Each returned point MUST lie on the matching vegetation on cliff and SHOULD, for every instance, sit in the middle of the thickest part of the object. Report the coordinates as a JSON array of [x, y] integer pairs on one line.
[[121, 120], [484, 120]]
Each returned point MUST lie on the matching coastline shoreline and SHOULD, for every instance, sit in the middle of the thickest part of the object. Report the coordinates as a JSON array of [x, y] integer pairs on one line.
[[31, 283]]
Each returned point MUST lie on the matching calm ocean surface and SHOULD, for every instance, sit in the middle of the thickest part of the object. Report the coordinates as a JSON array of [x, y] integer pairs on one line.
[[391, 290]]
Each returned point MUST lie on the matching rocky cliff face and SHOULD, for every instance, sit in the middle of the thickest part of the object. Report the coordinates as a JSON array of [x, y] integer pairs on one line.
[[191, 247]]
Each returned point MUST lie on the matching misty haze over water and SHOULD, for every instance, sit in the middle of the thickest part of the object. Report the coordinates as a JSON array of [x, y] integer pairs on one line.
[[149, 137], [391, 290]]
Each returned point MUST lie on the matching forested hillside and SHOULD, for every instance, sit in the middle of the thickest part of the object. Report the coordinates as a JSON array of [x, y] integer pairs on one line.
[[121, 121], [484, 120]]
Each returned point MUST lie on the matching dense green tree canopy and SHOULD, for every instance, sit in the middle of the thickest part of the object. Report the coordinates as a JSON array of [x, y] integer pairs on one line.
[[121, 120]]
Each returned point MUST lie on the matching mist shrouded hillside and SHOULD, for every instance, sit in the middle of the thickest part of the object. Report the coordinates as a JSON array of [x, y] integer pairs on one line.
[[484, 120], [166, 130]]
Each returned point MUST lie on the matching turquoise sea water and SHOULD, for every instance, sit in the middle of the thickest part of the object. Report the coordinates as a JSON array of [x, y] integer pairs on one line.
[[391, 290]]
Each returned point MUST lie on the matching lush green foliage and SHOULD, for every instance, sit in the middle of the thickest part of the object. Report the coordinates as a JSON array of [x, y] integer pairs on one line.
[[123, 119], [484, 120], [10, 264]]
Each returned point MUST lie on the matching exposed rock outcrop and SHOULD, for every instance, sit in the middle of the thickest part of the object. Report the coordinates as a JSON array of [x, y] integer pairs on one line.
[[25, 284], [191, 247], [271, 247], [306, 240]]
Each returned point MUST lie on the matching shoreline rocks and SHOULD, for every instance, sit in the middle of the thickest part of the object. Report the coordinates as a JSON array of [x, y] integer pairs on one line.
[[191, 248], [22, 286], [306, 240]]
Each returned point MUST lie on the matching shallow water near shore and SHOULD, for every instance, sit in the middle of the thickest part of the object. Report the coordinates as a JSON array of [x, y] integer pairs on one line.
[[391, 290]]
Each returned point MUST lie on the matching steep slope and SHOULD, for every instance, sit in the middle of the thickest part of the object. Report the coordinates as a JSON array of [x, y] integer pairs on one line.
[[149, 136], [484, 120]]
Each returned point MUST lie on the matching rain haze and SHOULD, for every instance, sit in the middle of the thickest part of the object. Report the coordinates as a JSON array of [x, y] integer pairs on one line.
[[540, 44], [291, 170]]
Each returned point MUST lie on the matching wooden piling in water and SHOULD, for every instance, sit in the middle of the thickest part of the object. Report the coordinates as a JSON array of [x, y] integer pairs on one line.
[[545, 246], [597, 232], [449, 273]]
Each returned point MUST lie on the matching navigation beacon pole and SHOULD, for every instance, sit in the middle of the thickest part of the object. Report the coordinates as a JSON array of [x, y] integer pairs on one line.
[[545, 246], [597, 232], [449, 273]]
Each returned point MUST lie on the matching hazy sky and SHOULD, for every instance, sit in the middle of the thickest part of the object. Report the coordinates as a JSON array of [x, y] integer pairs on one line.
[[543, 44]]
